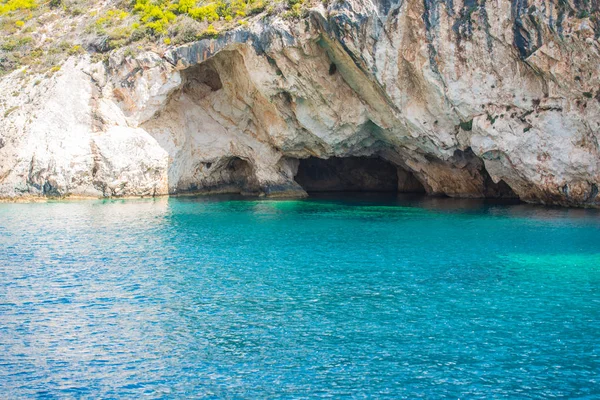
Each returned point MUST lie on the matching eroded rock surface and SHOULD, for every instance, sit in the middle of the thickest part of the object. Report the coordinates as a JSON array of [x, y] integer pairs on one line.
[[471, 99]]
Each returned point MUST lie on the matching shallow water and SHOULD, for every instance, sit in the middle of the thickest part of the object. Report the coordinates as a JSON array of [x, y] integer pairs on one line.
[[362, 297]]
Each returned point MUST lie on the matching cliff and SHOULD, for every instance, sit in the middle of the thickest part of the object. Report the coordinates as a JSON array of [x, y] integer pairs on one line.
[[465, 99]]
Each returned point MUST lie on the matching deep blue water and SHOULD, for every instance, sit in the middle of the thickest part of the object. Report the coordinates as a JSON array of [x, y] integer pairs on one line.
[[360, 297]]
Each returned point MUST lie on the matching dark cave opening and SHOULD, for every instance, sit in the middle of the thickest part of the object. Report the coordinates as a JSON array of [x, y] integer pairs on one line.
[[355, 174], [239, 172], [499, 190], [203, 75]]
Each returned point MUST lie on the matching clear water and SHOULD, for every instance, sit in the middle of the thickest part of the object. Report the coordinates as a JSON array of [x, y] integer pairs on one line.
[[360, 297]]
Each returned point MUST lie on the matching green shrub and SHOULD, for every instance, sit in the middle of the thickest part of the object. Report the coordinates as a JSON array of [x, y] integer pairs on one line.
[[111, 17], [184, 30], [295, 9], [205, 13], [155, 16], [257, 7], [210, 32], [77, 49], [14, 5], [466, 126], [184, 6], [14, 43]]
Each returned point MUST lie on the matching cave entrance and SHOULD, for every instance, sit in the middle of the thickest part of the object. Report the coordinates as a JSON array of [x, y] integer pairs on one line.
[[239, 173], [355, 174]]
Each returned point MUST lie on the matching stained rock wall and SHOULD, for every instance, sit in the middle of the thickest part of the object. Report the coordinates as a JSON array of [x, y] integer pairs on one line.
[[472, 99]]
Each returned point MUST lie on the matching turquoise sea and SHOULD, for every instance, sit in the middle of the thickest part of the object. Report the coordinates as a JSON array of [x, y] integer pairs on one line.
[[354, 296]]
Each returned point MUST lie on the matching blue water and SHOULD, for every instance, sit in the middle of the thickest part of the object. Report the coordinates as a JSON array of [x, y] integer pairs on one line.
[[359, 297]]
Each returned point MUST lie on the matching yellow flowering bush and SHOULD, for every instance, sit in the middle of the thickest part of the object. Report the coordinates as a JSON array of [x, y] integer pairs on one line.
[[7, 6]]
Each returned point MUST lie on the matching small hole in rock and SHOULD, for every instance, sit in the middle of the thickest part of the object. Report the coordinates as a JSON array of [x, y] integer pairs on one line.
[[332, 69]]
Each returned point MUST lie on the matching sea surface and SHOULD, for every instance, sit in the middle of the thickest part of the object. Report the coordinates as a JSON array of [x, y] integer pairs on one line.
[[352, 296]]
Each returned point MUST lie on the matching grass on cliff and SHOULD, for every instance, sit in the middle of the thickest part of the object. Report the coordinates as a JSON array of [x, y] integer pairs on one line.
[[41, 34]]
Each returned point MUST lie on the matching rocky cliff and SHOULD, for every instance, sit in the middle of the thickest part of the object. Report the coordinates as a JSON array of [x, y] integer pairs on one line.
[[473, 98]]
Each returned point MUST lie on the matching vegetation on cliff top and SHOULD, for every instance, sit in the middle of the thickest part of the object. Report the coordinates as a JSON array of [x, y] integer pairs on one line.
[[7, 6], [42, 34]]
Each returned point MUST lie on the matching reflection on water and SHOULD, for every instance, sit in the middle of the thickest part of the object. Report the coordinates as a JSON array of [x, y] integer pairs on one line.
[[362, 296]]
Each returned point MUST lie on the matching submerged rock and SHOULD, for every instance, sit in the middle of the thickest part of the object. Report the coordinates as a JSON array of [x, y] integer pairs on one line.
[[473, 99]]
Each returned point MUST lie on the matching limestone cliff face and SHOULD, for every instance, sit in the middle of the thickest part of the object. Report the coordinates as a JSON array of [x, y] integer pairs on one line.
[[473, 99]]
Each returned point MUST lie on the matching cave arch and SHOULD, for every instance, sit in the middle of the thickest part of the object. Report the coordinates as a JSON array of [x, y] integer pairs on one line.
[[239, 174], [204, 75]]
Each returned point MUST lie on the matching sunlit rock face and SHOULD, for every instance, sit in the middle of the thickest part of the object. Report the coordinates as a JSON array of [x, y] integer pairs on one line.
[[466, 99]]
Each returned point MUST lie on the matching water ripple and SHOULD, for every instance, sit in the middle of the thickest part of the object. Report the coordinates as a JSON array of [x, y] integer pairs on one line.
[[328, 297]]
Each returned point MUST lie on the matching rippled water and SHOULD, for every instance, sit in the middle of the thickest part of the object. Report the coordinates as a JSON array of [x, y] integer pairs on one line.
[[362, 297]]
